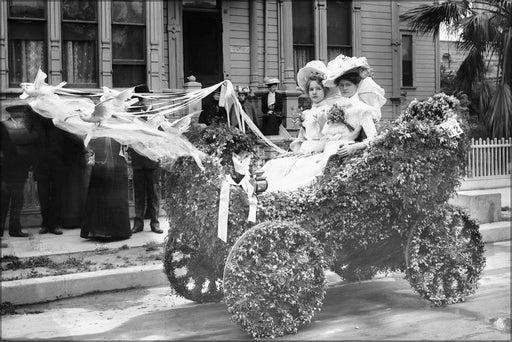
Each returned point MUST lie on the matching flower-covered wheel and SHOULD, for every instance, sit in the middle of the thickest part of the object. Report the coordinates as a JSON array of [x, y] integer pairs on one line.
[[445, 256], [191, 273], [274, 279]]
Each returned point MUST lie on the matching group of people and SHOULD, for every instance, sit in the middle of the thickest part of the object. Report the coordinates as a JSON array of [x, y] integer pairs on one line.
[[346, 103], [88, 187], [268, 121], [76, 186]]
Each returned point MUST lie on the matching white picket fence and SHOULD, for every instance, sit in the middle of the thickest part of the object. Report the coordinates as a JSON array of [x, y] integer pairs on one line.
[[489, 158]]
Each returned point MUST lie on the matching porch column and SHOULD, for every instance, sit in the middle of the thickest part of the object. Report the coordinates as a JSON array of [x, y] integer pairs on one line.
[[290, 92], [253, 39], [55, 54], [175, 42], [396, 45], [154, 20], [320, 18], [356, 28], [289, 77], [4, 75], [105, 54]]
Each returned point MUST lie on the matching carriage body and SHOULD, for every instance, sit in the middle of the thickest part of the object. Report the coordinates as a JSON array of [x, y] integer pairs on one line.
[[383, 209]]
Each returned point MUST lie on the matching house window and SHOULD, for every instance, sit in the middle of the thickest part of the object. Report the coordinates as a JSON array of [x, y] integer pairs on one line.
[[80, 42], [407, 61], [26, 39], [339, 28], [128, 43], [303, 41]]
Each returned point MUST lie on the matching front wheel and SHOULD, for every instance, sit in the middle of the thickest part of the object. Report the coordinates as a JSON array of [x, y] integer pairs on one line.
[[445, 256], [274, 279]]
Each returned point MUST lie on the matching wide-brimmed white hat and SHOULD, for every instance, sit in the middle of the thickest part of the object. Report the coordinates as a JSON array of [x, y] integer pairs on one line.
[[343, 64], [311, 68], [271, 80]]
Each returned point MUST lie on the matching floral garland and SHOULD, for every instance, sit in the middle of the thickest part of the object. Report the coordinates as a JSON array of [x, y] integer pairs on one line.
[[336, 114], [196, 255], [274, 279]]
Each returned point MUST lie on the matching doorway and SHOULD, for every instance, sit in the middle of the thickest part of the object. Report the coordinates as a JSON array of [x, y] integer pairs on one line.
[[202, 45]]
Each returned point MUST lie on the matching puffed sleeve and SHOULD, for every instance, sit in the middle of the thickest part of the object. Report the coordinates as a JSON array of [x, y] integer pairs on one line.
[[368, 125], [373, 95]]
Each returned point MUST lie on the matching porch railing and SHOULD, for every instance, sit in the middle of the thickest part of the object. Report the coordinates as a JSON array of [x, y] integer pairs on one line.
[[489, 158]]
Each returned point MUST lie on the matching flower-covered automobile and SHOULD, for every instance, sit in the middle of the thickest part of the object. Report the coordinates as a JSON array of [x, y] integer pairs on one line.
[[383, 209]]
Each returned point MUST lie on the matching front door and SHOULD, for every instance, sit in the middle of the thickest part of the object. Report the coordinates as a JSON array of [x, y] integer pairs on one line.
[[202, 44]]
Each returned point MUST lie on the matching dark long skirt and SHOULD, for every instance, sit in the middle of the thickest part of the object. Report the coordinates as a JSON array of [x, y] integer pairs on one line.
[[106, 208]]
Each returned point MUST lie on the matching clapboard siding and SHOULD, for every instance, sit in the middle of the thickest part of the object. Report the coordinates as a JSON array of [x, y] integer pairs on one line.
[[375, 33], [375, 44]]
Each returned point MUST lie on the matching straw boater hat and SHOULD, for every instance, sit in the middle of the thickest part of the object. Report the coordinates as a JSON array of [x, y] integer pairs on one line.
[[342, 65], [311, 68], [270, 80]]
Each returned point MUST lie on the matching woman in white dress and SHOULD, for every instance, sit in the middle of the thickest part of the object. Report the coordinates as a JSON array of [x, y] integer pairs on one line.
[[289, 173], [347, 75]]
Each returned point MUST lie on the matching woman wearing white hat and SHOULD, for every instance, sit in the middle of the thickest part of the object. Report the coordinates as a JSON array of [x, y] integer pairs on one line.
[[293, 172], [346, 75], [272, 107]]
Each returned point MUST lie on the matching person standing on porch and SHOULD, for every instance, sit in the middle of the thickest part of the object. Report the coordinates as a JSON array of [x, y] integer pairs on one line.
[[271, 107]]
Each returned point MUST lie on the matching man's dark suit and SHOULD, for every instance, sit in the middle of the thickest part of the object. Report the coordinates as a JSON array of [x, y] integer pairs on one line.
[[271, 122]]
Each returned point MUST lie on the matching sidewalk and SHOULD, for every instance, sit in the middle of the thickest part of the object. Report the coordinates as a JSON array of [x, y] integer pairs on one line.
[[71, 242]]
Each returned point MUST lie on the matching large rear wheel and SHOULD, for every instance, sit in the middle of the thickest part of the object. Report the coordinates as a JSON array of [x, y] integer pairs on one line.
[[191, 273], [445, 256]]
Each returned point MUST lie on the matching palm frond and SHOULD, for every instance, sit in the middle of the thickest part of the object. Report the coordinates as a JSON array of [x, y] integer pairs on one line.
[[428, 18], [471, 70], [498, 116], [478, 31]]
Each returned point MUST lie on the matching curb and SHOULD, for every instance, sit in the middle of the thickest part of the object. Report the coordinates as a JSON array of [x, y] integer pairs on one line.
[[39, 290], [46, 289]]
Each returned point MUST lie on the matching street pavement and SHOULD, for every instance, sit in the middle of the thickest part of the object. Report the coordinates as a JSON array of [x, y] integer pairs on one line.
[[383, 308]]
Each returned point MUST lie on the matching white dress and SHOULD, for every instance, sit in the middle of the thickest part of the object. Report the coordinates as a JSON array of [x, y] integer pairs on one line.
[[319, 143]]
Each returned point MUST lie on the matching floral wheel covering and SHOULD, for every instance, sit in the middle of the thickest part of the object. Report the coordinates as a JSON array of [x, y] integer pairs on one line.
[[191, 272], [445, 257], [274, 279]]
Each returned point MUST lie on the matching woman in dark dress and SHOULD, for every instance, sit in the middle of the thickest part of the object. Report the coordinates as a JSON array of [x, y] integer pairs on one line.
[[106, 209]]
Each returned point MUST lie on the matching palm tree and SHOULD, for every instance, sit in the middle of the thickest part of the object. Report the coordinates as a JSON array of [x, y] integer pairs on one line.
[[486, 30]]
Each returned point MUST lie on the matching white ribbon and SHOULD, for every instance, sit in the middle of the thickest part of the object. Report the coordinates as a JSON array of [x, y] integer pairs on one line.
[[242, 167]]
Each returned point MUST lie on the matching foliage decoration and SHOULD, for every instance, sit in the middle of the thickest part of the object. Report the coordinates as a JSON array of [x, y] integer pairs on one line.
[[445, 256], [485, 32], [361, 212], [192, 204], [274, 279], [365, 205]]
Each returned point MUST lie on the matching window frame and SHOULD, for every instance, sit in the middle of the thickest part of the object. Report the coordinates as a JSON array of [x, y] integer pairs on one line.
[[351, 28], [412, 60], [97, 44], [10, 57], [131, 61], [310, 46]]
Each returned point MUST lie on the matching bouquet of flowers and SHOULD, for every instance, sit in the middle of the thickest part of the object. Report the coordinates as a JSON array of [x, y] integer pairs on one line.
[[336, 114]]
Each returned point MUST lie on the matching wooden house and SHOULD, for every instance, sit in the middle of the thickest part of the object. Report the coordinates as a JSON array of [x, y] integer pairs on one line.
[[95, 43]]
